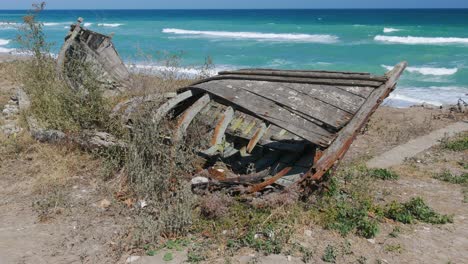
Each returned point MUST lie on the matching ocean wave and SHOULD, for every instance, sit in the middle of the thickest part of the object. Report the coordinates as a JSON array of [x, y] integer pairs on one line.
[[180, 72], [420, 40], [55, 24], [434, 95], [87, 24], [256, 35], [428, 70], [390, 30], [109, 25], [4, 42]]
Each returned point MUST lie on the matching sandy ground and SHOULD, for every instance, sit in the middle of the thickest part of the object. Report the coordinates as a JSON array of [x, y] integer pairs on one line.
[[82, 231]]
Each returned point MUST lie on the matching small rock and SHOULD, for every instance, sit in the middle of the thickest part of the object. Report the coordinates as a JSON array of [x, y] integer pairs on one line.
[[372, 241], [308, 233], [104, 204], [132, 259], [142, 203], [198, 180], [289, 258]]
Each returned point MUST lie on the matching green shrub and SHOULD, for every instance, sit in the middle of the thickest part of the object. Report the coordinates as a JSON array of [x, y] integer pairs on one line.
[[383, 174], [460, 144], [447, 176], [415, 209], [329, 255]]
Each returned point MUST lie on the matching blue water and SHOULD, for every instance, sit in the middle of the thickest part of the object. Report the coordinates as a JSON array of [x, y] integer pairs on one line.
[[434, 42]]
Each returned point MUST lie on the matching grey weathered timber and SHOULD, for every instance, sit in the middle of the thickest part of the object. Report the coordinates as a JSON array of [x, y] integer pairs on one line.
[[346, 136], [284, 118], [307, 74], [189, 115], [169, 105], [97, 50], [302, 71], [361, 91], [283, 95], [342, 82], [332, 95]]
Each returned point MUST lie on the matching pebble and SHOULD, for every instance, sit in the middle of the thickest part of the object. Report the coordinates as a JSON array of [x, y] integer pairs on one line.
[[372, 241], [132, 259], [308, 233]]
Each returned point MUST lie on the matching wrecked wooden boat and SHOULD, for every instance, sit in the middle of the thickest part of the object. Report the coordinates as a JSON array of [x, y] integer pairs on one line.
[[267, 127], [84, 46], [285, 125]]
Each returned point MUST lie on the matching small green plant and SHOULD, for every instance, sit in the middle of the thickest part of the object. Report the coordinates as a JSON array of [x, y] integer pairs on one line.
[[168, 256], [307, 254], [396, 248], [329, 255], [395, 232], [361, 260], [460, 144], [415, 209], [383, 174], [447, 176]]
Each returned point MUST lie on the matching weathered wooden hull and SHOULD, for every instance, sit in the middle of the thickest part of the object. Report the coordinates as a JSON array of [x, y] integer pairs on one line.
[[294, 124], [98, 51]]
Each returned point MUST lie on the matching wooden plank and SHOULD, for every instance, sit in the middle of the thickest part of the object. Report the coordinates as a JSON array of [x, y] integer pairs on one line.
[[261, 130], [169, 105], [342, 143], [341, 82], [332, 95], [307, 74], [361, 91], [221, 126], [189, 115], [282, 94], [273, 113], [323, 71]]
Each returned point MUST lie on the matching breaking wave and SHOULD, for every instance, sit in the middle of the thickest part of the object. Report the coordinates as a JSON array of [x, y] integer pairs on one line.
[[434, 95], [181, 72], [420, 40], [109, 25], [390, 30], [4, 42], [428, 70], [256, 35]]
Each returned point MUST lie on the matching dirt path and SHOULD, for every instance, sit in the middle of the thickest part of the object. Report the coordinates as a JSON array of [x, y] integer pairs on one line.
[[399, 154]]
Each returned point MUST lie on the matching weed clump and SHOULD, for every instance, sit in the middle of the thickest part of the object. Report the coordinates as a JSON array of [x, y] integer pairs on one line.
[[383, 174], [330, 254], [460, 144], [213, 206], [447, 176], [158, 173], [415, 209]]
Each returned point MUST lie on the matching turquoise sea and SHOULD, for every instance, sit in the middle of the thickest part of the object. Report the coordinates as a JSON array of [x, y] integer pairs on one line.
[[434, 42]]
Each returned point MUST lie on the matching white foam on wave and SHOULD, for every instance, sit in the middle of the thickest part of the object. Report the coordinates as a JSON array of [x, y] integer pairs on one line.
[[87, 24], [55, 24], [179, 72], [4, 42], [390, 30], [255, 35], [428, 70], [434, 95], [420, 40], [109, 25]]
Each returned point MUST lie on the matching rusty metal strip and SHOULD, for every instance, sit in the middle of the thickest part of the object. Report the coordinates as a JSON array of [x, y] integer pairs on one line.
[[221, 126], [257, 136], [189, 115], [261, 186]]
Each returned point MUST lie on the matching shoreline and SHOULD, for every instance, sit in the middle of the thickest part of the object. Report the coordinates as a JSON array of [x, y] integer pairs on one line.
[[393, 101]]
